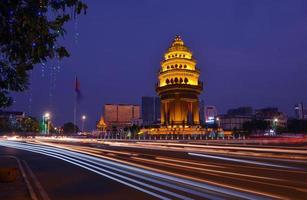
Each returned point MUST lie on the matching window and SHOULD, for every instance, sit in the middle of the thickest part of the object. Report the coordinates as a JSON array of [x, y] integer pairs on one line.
[[176, 65], [172, 66], [167, 67], [181, 80], [186, 80], [176, 80], [167, 81], [180, 66], [185, 66]]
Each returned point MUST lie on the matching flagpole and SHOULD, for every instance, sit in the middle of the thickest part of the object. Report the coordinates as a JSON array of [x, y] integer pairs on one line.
[[75, 106]]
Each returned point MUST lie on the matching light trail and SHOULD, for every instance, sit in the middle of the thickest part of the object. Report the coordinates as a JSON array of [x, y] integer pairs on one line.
[[188, 162], [209, 170], [222, 185], [264, 153], [243, 161], [83, 160], [278, 150]]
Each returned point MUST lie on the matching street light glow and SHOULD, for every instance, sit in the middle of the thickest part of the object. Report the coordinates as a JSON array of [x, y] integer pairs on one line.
[[47, 115], [83, 117]]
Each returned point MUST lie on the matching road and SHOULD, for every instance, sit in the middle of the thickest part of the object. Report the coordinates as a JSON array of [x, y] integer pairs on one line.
[[168, 170]]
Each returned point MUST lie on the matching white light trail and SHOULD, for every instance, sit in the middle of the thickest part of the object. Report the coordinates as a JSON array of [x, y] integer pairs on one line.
[[99, 166], [242, 161]]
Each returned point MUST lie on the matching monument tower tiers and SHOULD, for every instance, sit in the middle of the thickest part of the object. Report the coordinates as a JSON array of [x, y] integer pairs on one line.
[[179, 86]]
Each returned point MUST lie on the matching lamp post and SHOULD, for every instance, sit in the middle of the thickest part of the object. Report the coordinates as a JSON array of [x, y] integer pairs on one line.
[[275, 121], [46, 118], [218, 122], [83, 120]]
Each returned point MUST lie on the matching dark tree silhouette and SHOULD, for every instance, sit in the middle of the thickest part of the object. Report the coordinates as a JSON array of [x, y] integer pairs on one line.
[[70, 127], [29, 31]]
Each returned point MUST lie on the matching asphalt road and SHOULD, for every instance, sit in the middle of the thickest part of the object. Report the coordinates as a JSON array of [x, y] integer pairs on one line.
[[142, 170], [64, 181]]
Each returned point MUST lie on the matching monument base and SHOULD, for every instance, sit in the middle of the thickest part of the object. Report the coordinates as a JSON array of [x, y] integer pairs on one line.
[[175, 130]]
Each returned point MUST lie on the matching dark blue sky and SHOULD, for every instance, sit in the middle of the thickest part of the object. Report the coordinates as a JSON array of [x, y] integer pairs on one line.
[[251, 53]]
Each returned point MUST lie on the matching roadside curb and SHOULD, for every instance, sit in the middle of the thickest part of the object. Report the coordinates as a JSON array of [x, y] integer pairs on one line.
[[34, 187]]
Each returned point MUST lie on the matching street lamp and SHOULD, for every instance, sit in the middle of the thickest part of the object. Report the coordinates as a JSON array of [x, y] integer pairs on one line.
[[46, 118], [83, 120], [275, 121], [218, 122]]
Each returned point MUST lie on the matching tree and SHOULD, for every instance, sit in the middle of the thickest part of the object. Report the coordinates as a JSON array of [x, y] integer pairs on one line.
[[29, 31], [4, 124], [70, 127], [297, 126], [255, 125], [29, 124]]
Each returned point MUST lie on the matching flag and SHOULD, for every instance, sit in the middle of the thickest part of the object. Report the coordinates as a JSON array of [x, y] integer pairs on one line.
[[77, 89]]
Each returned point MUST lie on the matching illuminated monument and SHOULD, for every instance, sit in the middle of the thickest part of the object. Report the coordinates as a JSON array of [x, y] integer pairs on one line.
[[179, 87]]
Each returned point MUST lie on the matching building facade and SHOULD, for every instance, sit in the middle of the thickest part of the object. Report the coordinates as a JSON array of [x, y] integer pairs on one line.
[[232, 122], [121, 115], [151, 110], [273, 116], [210, 114], [179, 86], [242, 111], [300, 111]]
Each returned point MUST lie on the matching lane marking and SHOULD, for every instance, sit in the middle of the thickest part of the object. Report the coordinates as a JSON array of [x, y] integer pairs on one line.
[[25, 177], [41, 190]]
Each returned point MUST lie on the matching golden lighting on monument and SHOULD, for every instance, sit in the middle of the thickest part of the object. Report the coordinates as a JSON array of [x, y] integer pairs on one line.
[[179, 86]]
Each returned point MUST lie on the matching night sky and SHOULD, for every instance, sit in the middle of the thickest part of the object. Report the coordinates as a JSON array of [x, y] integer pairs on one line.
[[250, 53]]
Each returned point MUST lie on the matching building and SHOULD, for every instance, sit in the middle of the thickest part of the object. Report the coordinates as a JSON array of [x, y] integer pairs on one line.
[[179, 86], [210, 114], [12, 115], [242, 111], [231, 122], [11, 120], [121, 115], [272, 115], [236, 117], [151, 110], [300, 111], [101, 125]]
